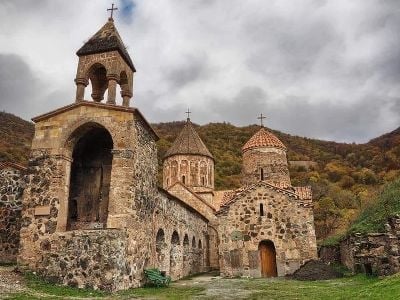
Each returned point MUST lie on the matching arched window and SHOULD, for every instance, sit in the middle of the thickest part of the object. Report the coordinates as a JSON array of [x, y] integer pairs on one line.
[[186, 241], [175, 238], [193, 242], [261, 210], [183, 179], [200, 246]]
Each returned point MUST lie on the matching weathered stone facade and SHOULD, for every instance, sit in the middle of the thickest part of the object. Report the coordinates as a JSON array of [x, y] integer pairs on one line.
[[374, 253], [93, 215], [265, 213], [12, 185]]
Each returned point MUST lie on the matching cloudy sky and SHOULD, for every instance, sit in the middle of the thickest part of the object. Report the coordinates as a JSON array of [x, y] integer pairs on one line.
[[316, 68]]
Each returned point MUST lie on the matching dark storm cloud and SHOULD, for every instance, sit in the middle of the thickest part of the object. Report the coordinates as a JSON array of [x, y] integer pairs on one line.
[[18, 85], [324, 69], [190, 69]]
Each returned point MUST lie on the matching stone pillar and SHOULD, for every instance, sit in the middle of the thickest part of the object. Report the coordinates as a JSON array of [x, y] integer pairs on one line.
[[81, 83], [112, 88], [126, 96]]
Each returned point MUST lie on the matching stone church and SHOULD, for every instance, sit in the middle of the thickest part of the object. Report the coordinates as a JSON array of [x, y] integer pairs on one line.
[[94, 216]]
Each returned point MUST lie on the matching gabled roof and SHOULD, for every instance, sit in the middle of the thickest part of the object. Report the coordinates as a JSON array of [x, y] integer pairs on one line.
[[105, 40], [263, 138], [299, 193], [63, 109], [188, 142]]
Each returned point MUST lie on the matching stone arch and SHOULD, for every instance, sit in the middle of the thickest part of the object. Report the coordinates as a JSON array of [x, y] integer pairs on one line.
[[186, 256], [77, 130], [97, 76], [126, 92], [161, 250], [203, 173], [90, 177], [194, 173], [175, 257], [174, 172]]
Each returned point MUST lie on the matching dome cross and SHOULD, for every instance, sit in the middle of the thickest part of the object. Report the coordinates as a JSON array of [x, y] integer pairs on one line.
[[261, 117], [112, 10]]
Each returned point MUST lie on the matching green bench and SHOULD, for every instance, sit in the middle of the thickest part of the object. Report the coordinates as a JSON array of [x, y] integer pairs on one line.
[[155, 277]]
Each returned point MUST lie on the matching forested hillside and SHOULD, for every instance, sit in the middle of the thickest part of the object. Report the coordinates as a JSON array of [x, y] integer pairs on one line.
[[15, 138], [346, 180]]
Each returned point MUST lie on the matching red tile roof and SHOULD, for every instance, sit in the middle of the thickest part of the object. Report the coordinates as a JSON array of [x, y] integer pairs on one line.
[[263, 138]]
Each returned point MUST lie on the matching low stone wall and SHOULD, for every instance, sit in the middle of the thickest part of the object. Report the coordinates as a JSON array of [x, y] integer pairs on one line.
[[373, 254], [329, 254], [86, 259], [11, 189]]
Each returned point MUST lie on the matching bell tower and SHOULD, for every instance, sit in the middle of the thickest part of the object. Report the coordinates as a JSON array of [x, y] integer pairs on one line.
[[105, 63]]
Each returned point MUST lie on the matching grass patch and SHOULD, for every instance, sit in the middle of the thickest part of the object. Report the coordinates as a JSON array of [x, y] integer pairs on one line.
[[374, 217], [39, 285], [356, 287], [170, 293], [332, 240]]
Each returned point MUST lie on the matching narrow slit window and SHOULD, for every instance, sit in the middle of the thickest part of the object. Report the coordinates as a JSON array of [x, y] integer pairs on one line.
[[202, 181], [261, 210], [261, 174], [183, 179]]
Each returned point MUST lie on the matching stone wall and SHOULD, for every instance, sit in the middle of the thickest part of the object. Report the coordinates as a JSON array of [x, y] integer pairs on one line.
[[286, 221], [11, 188], [127, 242], [194, 171], [329, 254], [86, 259], [374, 253], [265, 163], [178, 232]]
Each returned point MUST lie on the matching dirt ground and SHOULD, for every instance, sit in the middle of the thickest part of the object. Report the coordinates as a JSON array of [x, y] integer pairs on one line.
[[10, 281]]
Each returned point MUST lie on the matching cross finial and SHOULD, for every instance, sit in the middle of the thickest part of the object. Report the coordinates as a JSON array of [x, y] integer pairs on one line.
[[261, 117], [112, 11], [188, 112]]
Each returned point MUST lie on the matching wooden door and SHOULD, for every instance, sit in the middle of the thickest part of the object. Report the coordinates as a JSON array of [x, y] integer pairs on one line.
[[267, 259]]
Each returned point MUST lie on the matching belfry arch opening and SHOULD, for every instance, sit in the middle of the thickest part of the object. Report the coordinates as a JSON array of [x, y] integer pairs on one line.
[[267, 252], [97, 76], [90, 178]]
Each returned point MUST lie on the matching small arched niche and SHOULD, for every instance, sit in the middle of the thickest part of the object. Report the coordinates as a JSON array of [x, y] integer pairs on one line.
[[90, 177]]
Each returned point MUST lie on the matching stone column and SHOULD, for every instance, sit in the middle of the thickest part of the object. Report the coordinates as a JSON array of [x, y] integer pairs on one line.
[[112, 88], [81, 83], [126, 96]]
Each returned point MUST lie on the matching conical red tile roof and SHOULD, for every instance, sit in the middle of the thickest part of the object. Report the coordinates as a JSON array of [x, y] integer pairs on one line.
[[263, 138], [188, 142]]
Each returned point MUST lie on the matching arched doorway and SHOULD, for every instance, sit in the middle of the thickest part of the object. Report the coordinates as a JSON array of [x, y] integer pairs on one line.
[[267, 259], [90, 178]]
